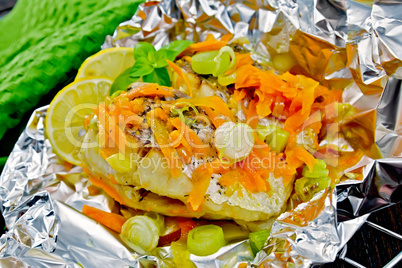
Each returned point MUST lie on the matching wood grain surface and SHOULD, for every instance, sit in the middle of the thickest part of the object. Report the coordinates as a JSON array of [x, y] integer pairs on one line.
[[371, 247]]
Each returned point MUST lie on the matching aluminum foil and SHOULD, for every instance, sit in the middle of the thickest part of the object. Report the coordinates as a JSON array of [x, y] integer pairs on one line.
[[354, 45]]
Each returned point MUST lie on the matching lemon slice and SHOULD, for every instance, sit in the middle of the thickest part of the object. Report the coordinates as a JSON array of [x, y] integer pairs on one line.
[[65, 116], [108, 63]]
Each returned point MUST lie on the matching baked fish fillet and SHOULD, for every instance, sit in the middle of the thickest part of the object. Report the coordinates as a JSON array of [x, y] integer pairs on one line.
[[150, 185]]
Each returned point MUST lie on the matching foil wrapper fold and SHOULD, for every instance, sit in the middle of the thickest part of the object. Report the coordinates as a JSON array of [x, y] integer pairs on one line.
[[355, 45]]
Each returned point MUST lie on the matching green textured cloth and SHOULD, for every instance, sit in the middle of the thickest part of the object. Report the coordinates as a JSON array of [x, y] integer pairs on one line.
[[42, 40]]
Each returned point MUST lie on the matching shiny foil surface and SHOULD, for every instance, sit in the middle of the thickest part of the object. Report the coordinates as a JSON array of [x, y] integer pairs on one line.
[[355, 45]]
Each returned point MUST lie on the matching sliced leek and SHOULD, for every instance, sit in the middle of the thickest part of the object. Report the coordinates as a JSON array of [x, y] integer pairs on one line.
[[312, 181], [205, 240], [234, 141], [274, 136], [140, 233], [213, 62], [258, 239], [158, 219]]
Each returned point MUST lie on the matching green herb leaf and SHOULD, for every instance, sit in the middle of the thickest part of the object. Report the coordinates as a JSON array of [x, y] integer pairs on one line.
[[159, 76], [122, 81], [162, 55], [143, 50], [141, 67], [150, 64], [178, 46]]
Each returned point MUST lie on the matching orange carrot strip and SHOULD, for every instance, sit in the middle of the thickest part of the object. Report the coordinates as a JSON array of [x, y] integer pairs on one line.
[[107, 188], [305, 156], [308, 86], [285, 171], [210, 37], [247, 76], [176, 139], [201, 178], [204, 46], [116, 135], [243, 59], [263, 107], [214, 102], [111, 220], [112, 179], [226, 37], [216, 120], [159, 112], [239, 94], [187, 58], [179, 71], [149, 89], [295, 121], [162, 137], [252, 116], [270, 82], [192, 138]]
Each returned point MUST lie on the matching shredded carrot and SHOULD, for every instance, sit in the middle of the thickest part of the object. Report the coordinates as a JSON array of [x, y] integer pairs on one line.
[[209, 45], [176, 139], [149, 89], [112, 179], [110, 134], [308, 86], [295, 121], [210, 37], [252, 116], [201, 178], [279, 106], [162, 137], [263, 106], [187, 58], [285, 171], [159, 112], [303, 155], [107, 188], [239, 94], [213, 102], [192, 138], [226, 37], [68, 166], [216, 120], [270, 83], [116, 135], [249, 179], [243, 59], [179, 71], [136, 105], [184, 153], [111, 220], [247, 76]]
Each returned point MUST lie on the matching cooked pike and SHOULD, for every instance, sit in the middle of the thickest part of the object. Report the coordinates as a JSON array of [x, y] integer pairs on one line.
[[149, 182]]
